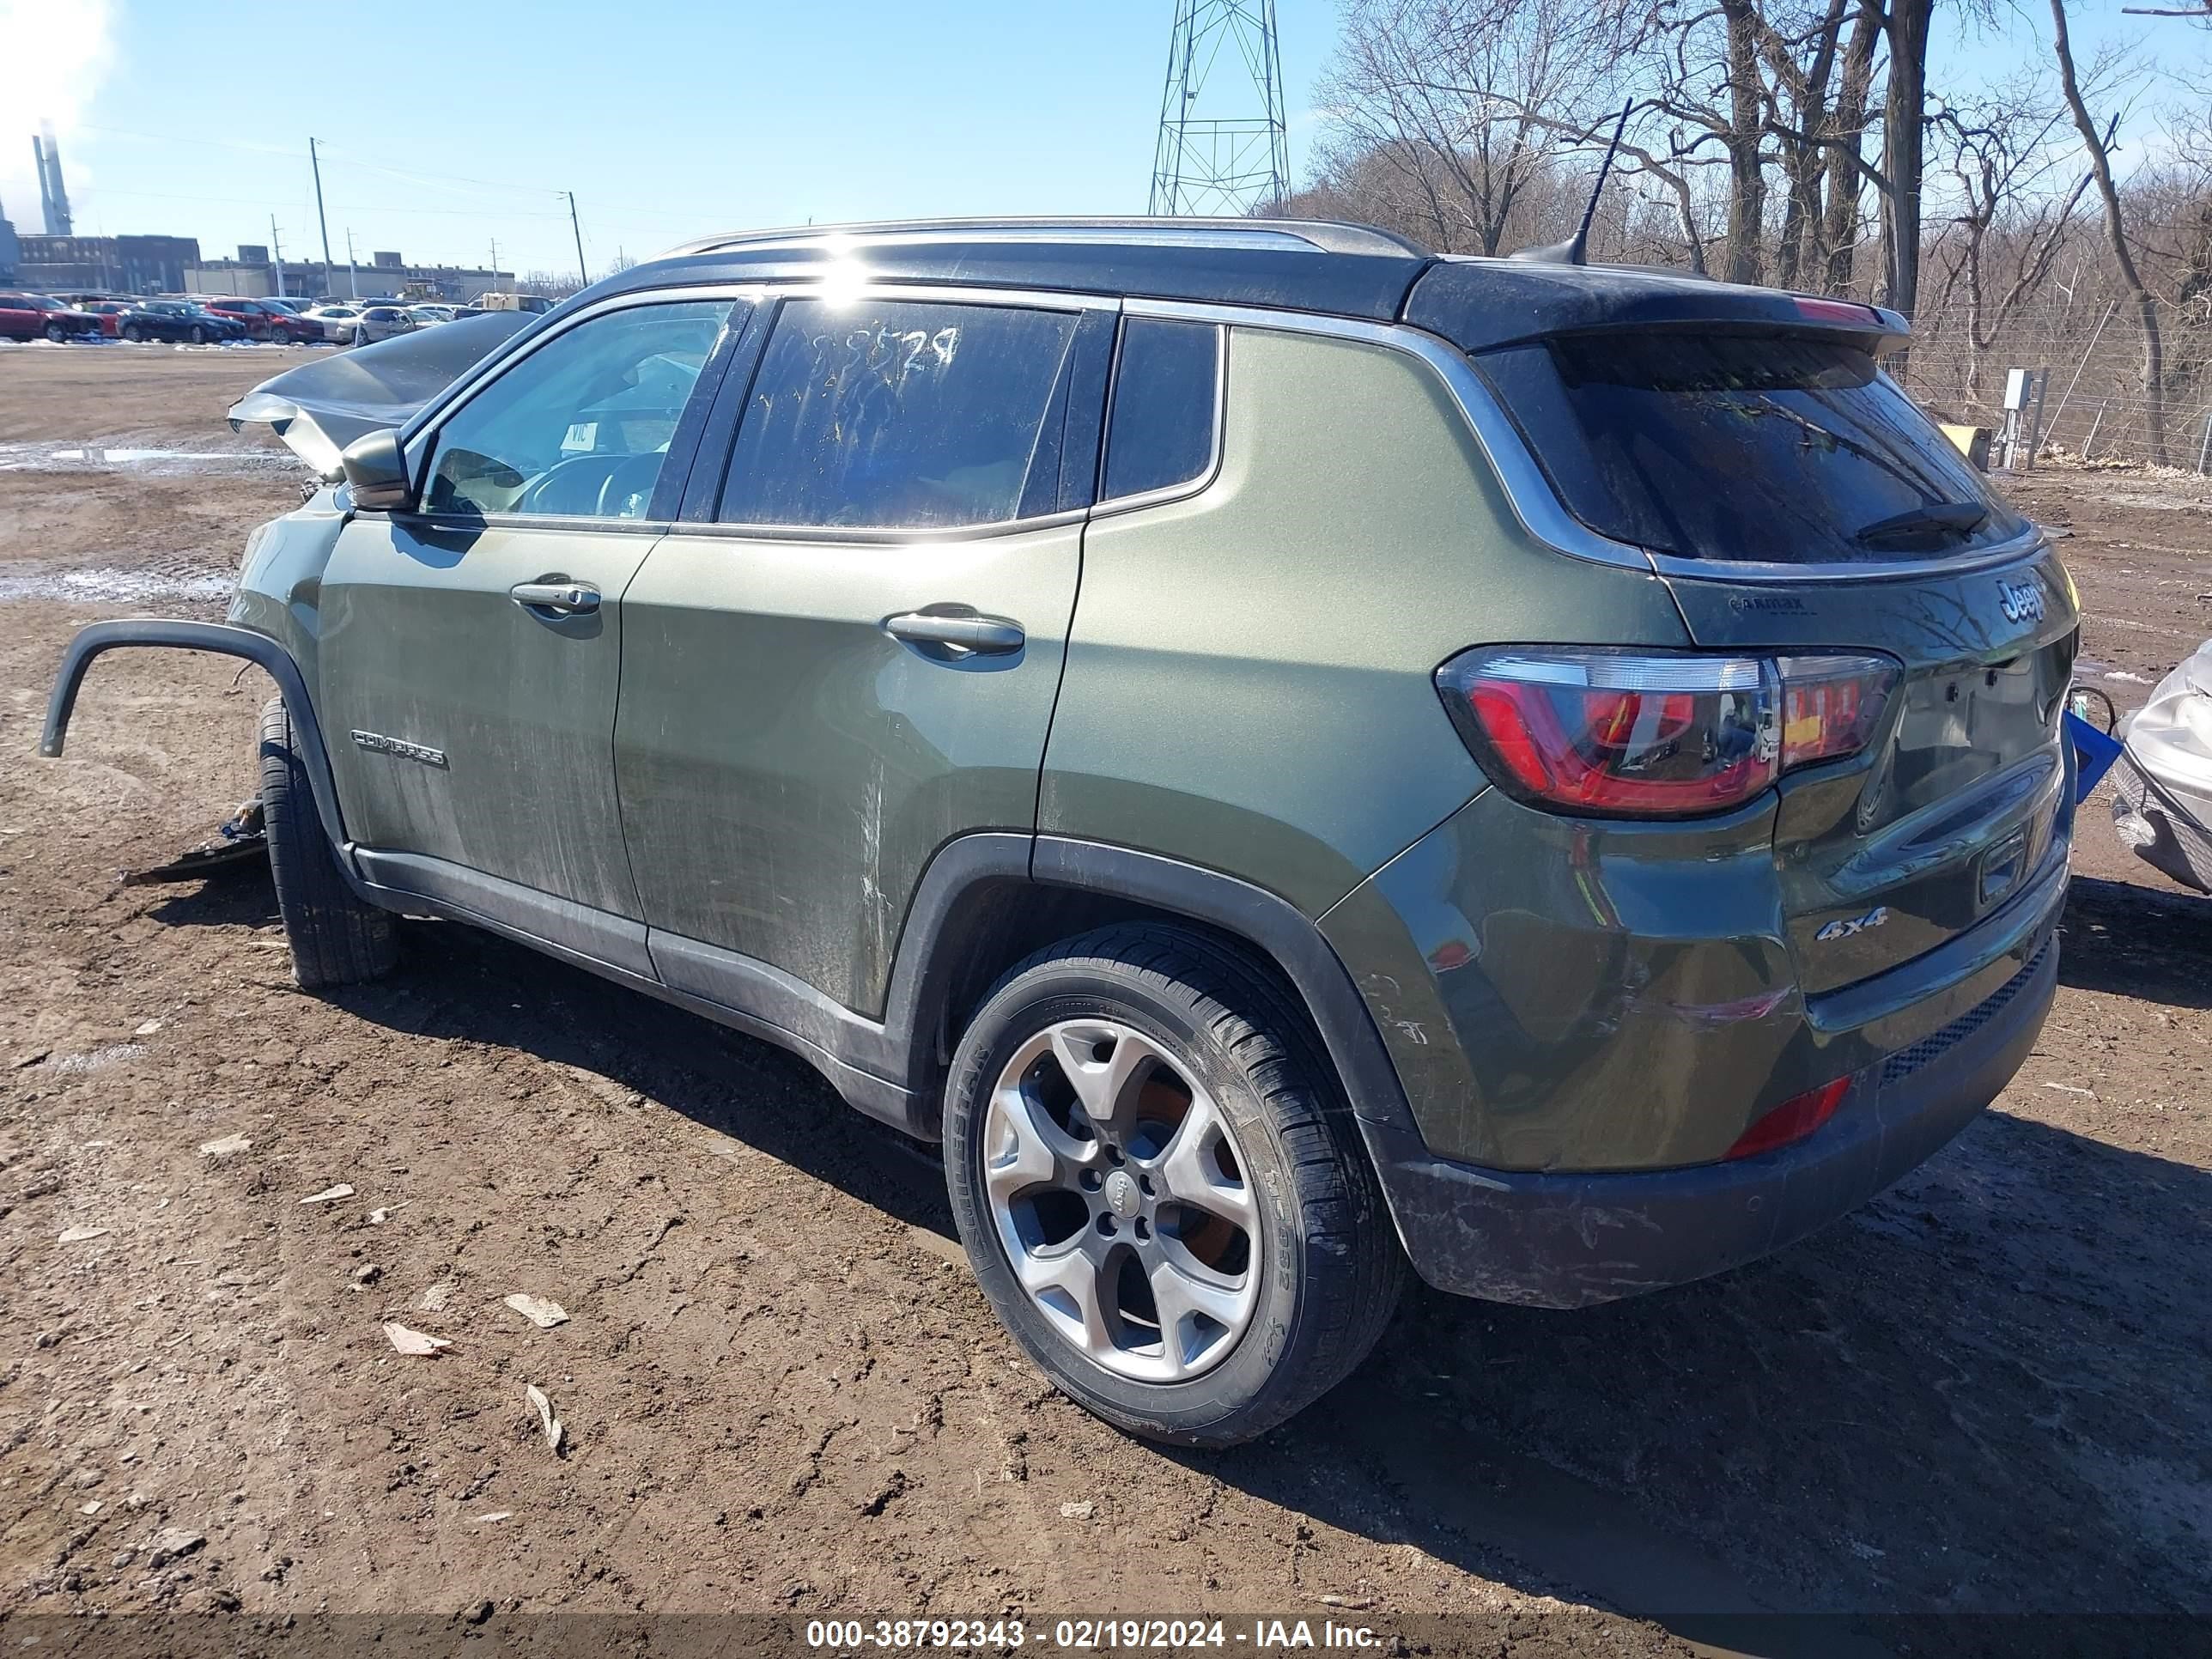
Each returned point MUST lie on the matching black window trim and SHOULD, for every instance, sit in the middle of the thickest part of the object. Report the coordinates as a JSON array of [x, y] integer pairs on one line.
[[1206, 475]]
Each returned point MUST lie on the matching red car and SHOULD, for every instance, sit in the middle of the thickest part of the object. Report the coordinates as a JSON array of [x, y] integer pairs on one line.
[[266, 320], [33, 316]]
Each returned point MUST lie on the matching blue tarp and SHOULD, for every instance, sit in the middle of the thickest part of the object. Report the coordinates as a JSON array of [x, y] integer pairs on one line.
[[2093, 754]]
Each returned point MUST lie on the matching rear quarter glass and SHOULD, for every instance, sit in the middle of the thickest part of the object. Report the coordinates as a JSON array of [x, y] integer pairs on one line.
[[1769, 448]]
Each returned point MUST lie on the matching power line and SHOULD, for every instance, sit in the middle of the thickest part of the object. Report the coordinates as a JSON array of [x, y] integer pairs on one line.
[[262, 200]]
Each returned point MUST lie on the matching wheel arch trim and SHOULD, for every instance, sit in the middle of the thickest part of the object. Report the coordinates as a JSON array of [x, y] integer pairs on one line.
[[1272, 924], [220, 639]]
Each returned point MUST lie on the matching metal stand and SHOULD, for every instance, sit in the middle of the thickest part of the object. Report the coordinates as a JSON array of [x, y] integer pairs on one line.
[[2023, 416]]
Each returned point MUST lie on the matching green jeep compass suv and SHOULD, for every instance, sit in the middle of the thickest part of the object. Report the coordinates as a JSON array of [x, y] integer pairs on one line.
[[1290, 755]]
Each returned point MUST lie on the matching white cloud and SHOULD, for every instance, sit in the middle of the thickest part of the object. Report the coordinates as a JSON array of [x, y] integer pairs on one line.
[[54, 54]]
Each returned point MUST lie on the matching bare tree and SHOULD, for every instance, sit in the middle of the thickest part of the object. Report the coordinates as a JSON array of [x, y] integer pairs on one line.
[[1845, 143], [2099, 147], [2007, 230], [1903, 140], [1443, 94], [1703, 66], [1801, 69]]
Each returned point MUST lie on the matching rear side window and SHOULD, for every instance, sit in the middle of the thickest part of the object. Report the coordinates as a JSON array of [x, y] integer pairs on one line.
[[894, 414], [1165, 382], [1775, 449]]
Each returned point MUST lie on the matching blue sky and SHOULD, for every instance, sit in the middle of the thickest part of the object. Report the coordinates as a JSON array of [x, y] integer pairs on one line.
[[667, 120], [445, 128]]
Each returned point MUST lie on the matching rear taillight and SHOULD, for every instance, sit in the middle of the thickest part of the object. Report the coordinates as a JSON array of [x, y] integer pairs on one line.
[[1790, 1122], [1637, 734], [1829, 704]]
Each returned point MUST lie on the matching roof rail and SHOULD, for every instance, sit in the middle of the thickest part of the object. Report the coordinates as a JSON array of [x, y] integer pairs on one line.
[[1322, 235]]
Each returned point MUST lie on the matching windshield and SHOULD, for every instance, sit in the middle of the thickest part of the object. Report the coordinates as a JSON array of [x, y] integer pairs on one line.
[[1773, 449]]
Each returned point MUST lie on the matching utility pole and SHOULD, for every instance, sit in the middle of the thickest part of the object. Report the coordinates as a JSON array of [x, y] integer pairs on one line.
[[579, 230], [276, 253], [353, 270], [316, 164]]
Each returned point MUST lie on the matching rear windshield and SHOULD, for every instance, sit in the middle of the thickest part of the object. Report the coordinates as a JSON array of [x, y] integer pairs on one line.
[[1776, 449]]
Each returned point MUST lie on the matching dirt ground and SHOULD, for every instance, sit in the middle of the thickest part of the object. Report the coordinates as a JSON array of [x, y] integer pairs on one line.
[[1984, 1393]]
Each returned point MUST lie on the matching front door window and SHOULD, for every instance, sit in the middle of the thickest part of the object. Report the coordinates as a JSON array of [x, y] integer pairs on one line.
[[580, 427]]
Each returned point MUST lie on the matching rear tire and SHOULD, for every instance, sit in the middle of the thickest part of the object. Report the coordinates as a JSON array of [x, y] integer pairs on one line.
[[198, 335], [336, 938], [1267, 1312]]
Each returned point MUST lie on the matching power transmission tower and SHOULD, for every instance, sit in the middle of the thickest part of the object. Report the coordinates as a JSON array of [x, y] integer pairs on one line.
[[1224, 147]]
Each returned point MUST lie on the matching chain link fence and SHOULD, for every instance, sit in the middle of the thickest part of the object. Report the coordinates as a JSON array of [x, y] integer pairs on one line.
[[2095, 405]]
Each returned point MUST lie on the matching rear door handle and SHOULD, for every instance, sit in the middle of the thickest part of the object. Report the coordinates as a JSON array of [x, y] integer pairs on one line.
[[963, 632], [562, 598]]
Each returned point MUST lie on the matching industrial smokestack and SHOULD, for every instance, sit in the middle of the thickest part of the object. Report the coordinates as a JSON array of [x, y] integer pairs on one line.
[[53, 195]]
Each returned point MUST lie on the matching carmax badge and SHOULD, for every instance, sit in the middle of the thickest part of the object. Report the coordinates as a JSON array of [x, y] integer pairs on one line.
[[1844, 927]]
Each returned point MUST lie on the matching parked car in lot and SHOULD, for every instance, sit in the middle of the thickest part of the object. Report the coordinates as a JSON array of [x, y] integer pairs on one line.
[[132, 320], [376, 323], [200, 326], [40, 316], [535, 305], [1292, 759], [427, 313], [264, 319], [335, 321]]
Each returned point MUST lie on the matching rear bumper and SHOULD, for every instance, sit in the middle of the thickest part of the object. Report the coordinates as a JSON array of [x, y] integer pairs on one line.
[[1570, 1241]]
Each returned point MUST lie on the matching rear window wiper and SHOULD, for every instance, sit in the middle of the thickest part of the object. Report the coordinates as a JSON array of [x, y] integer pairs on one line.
[[1930, 519]]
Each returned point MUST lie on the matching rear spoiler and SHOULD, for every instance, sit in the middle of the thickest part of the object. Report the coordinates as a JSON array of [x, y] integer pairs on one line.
[[321, 407], [1480, 304]]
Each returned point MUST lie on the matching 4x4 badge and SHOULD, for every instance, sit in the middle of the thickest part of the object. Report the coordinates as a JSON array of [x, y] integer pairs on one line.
[[1843, 927], [2022, 602]]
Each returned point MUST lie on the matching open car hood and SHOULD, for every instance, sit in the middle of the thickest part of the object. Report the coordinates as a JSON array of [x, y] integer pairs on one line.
[[321, 407]]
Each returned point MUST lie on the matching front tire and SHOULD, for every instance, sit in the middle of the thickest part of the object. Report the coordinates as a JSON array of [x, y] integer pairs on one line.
[[134, 334], [57, 333], [336, 938], [1158, 1185], [360, 337], [198, 335]]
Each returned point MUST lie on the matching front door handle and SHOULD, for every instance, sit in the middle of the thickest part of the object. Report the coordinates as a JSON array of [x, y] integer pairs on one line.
[[962, 632], [561, 599]]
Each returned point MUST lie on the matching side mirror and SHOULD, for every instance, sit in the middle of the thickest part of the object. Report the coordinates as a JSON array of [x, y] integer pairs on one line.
[[376, 470]]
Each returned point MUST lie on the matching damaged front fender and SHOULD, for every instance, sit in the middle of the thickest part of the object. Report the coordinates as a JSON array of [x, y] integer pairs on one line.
[[224, 641]]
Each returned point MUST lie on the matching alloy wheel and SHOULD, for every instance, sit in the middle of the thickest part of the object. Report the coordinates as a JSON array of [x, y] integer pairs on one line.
[[1122, 1201]]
